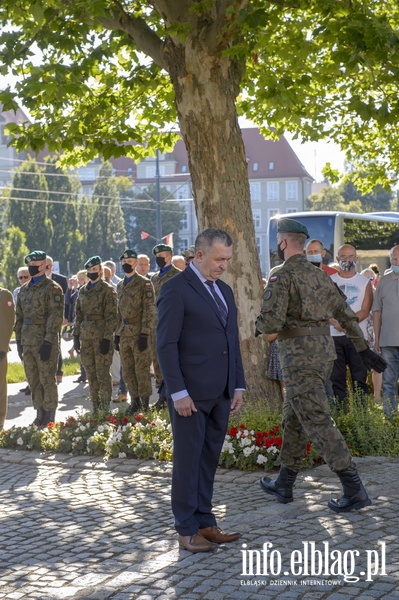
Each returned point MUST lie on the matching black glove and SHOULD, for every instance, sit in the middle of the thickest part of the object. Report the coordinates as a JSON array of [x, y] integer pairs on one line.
[[117, 342], [142, 344], [372, 360], [104, 346], [20, 350], [76, 343], [45, 351], [2, 354]]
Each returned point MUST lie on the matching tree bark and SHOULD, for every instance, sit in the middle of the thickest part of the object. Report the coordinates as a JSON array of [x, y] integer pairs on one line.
[[206, 86]]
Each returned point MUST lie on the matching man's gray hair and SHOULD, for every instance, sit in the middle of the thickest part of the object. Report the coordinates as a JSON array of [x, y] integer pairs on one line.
[[391, 252], [211, 236]]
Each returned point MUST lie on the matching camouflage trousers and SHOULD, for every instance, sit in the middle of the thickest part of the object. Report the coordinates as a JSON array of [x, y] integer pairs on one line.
[[3, 390], [41, 377], [306, 416], [154, 356], [97, 367], [136, 367]]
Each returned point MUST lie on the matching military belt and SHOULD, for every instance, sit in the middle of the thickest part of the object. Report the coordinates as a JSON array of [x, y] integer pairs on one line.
[[34, 321], [302, 331], [93, 318]]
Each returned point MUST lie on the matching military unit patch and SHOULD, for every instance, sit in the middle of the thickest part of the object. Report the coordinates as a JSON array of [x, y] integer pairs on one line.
[[273, 278]]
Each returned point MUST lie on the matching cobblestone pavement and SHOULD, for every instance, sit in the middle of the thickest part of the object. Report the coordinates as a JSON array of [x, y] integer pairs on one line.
[[77, 527]]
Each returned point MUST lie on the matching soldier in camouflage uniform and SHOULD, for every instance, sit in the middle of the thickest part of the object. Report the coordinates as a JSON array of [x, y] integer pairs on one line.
[[163, 257], [39, 316], [297, 304], [7, 320], [136, 314], [94, 327]]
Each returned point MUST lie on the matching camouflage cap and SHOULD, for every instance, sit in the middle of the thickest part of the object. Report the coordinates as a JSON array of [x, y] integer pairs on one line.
[[189, 253], [35, 255], [161, 248], [291, 226], [93, 261], [128, 253]]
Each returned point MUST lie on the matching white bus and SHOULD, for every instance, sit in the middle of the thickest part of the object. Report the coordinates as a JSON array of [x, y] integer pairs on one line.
[[372, 234]]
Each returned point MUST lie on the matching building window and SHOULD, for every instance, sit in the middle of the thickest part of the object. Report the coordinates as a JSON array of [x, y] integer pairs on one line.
[[256, 215], [183, 244], [271, 166], [292, 210], [259, 245], [254, 188], [291, 190], [255, 166], [87, 174], [184, 168], [184, 221], [183, 191], [272, 191], [272, 211]]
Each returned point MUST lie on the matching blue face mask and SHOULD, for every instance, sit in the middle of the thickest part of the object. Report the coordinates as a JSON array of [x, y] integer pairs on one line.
[[314, 258], [395, 269]]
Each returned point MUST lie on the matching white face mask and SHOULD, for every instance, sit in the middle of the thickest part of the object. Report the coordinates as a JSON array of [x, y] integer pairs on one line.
[[314, 258]]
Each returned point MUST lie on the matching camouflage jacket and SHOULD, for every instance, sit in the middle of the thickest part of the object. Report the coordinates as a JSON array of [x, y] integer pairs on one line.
[[301, 295], [7, 318], [136, 307], [96, 312], [158, 281], [39, 312]]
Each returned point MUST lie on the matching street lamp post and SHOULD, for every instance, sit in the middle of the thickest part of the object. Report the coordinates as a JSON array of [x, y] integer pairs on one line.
[[158, 199]]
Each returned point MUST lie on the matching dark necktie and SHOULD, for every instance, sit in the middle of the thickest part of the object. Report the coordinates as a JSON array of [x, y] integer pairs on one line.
[[219, 302]]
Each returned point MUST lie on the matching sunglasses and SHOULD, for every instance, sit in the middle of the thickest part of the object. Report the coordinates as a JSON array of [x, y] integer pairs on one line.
[[23, 276]]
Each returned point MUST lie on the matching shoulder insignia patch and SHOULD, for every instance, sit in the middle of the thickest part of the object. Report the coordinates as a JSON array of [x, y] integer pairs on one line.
[[57, 298], [9, 303], [267, 295], [273, 278]]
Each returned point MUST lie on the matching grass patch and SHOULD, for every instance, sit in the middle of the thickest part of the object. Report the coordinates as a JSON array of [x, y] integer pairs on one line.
[[16, 372]]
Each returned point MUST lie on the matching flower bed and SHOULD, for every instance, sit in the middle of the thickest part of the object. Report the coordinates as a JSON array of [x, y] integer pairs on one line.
[[121, 436]]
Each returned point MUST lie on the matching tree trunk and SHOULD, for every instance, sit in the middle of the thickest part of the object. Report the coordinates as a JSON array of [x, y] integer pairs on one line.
[[206, 85]]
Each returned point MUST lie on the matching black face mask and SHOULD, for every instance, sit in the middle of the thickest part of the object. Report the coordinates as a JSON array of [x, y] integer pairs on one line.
[[161, 261], [93, 276], [33, 270], [127, 268], [280, 253]]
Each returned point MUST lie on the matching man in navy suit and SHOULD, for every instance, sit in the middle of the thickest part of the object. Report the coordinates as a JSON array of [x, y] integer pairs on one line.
[[199, 355]]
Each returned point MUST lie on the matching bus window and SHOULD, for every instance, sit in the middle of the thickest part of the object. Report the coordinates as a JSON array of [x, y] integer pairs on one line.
[[372, 240], [320, 227]]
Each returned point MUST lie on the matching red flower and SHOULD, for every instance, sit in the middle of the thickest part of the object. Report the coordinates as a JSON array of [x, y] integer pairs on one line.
[[125, 420], [138, 417], [233, 431]]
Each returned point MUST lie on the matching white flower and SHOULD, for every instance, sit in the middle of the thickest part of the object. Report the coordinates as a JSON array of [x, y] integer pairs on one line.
[[121, 455], [20, 441], [246, 441], [100, 428], [248, 450], [82, 427], [228, 447], [261, 459]]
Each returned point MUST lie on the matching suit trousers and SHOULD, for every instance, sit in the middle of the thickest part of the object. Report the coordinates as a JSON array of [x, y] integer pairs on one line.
[[197, 443]]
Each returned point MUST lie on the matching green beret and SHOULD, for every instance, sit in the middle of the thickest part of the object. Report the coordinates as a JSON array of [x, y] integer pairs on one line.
[[189, 253], [161, 248], [93, 261], [291, 226], [128, 254], [35, 255]]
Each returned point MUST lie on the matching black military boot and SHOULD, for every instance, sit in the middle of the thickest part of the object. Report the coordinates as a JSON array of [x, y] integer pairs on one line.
[[134, 407], [145, 402], [39, 417], [162, 402], [280, 487], [48, 417], [355, 496]]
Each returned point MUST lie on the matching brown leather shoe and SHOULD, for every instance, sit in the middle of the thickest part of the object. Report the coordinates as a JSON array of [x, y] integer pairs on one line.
[[196, 543], [216, 535]]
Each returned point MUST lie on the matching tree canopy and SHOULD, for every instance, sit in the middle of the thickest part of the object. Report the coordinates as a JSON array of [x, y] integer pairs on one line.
[[96, 77]]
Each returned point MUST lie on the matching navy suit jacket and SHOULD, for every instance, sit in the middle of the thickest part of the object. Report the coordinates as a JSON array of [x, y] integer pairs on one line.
[[195, 351]]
